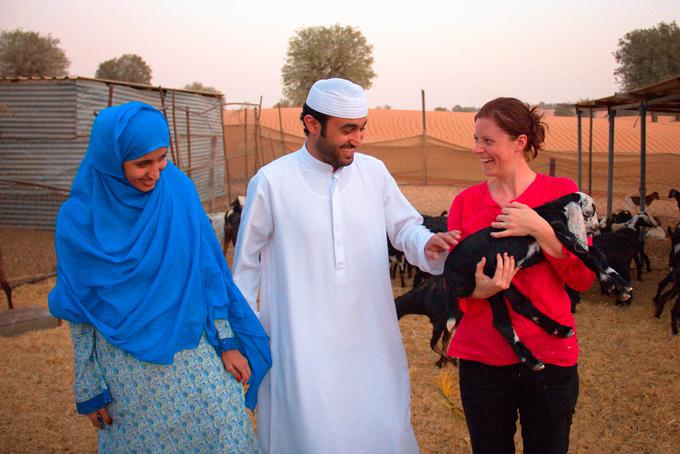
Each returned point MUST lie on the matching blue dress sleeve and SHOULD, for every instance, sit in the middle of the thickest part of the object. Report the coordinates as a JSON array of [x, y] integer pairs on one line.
[[225, 337], [89, 386]]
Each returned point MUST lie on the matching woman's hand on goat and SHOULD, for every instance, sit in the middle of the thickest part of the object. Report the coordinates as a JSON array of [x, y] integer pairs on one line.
[[237, 365], [486, 286], [518, 219], [100, 417], [441, 242]]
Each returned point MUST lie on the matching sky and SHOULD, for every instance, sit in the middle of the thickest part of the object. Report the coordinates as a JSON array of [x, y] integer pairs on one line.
[[459, 52]]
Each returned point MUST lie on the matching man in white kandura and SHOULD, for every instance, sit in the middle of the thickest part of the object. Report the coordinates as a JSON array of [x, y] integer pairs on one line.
[[312, 239]]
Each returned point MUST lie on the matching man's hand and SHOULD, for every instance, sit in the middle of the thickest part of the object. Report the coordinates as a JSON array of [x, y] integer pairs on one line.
[[237, 365], [99, 417], [441, 242]]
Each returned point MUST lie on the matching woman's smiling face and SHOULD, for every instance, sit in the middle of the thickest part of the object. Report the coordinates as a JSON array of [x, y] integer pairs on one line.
[[144, 172], [497, 150]]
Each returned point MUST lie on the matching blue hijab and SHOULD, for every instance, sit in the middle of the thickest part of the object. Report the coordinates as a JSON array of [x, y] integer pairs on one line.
[[145, 268]]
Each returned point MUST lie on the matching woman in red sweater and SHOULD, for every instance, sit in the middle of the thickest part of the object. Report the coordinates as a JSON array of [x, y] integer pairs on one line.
[[494, 386]]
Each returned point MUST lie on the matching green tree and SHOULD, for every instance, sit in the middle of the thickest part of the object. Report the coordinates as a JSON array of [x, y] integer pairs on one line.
[[26, 54], [564, 110], [649, 55], [441, 109], [126, 68], [322, 52], [283, 103], [198, 86], [459, 108]]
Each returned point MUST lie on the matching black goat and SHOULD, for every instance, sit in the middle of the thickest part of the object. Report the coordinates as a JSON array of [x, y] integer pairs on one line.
[[673, 277], [397, 259], [232, 220], [621, 247], [624, 219], [432, 299], [571, 217], [434, 224], [675, 194], [397, 262]]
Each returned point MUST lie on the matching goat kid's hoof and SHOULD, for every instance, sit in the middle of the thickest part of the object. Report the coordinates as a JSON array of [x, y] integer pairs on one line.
[[532, 363], [564, 331], [537, 366]]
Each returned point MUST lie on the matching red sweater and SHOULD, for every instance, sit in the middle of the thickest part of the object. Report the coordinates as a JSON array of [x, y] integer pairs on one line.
[[476, 339]]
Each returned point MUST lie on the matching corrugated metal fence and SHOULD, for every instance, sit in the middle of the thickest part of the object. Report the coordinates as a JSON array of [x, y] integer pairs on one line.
[[45, 127]]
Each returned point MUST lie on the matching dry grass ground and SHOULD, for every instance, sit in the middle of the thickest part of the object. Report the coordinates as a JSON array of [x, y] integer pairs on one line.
[[630, 365]]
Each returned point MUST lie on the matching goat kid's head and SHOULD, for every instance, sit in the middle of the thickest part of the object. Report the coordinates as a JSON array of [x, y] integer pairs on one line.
[[588, 210], [581, 217], [641, 220], [237, 205]]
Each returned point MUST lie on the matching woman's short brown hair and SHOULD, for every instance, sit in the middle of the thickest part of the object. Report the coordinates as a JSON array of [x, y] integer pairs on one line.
[[516, 118]]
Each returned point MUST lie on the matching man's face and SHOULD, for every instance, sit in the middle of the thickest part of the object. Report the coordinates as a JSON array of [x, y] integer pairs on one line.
[[343, 136]]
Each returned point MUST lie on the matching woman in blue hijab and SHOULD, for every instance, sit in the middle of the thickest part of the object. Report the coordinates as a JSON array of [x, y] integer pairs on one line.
[[154, 314]]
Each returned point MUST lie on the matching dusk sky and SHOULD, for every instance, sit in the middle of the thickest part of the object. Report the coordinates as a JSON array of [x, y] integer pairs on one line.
[[458, 52]]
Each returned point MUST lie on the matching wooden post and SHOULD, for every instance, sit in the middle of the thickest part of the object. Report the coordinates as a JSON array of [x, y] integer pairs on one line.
[[271, 147], [610, 164], [422, 99], [165, 113], [226, 159], [188, 142], [643, 156], [424, 138], [590, 155], [211, 174], [256, 130], [553, 166], [245, 141], [283, 143], [579, 116], [174, 128]]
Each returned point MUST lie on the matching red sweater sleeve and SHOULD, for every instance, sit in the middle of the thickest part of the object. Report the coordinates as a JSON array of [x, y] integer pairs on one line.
[[572, 270]]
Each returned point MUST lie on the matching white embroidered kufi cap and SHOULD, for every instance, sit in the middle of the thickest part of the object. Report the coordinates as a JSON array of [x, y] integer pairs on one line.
[[338, 98]]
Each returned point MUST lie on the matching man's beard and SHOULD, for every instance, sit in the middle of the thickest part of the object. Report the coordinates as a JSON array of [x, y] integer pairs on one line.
[[331, 154]]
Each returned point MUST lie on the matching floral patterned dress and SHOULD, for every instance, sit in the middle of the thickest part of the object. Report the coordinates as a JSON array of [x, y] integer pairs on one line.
[[192, 405]]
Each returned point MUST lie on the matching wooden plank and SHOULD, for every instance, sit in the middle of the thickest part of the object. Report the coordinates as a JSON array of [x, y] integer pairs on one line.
[[21, 320]]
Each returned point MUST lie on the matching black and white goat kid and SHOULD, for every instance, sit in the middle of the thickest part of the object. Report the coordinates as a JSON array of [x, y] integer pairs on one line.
[[232, 221], [571, 217], [432, 299]]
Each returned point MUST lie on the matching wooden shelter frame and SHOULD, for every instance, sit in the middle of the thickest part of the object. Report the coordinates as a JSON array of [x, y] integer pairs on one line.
[[662, 97]]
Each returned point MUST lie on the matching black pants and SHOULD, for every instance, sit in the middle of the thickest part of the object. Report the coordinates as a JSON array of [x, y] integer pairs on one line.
[[493, 396]]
